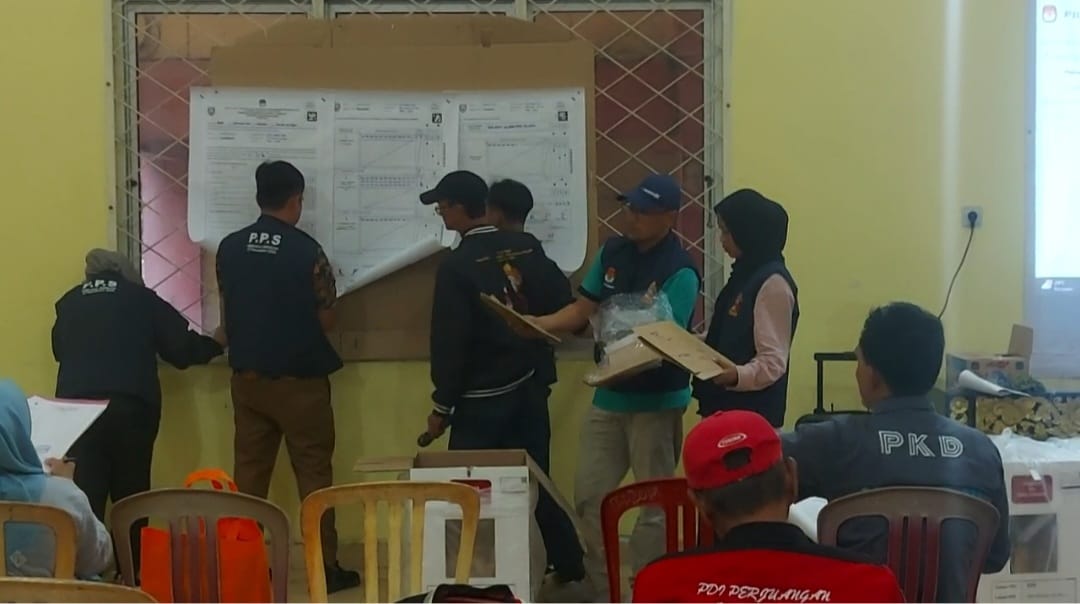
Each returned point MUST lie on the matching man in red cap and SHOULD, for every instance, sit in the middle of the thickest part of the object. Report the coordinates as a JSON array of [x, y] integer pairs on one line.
[[740, 480]]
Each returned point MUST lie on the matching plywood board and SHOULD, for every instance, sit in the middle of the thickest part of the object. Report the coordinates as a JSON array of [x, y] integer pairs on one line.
[[517, 322], [389, 319], [684, 349], [622, 362]]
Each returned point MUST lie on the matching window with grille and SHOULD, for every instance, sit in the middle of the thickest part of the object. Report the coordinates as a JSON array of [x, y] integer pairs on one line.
[[658, 101]]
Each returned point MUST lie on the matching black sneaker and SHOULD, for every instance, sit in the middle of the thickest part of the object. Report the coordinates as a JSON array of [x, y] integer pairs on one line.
[[338, 579]]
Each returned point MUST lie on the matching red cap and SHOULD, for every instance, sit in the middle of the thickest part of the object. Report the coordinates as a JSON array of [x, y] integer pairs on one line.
[[717, 436]]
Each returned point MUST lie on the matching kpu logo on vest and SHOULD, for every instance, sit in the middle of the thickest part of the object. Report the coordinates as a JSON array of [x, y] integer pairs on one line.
[[263, 243], [99, 286], [736, 306], [609, 278]]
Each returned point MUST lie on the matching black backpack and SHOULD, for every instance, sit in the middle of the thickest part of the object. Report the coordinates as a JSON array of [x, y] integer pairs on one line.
[[465, 593]]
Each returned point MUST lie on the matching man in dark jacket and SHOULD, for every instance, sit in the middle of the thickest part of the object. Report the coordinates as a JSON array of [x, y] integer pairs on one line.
[[109, 332], [484, 375], [903, 441], [508, 206], [278, 295]]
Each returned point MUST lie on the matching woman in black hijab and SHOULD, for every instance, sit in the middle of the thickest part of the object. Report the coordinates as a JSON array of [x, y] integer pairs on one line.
[[755, 314]]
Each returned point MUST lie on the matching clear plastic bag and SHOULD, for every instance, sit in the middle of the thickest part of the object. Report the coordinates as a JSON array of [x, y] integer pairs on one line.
[[618, 352], [620, 314]]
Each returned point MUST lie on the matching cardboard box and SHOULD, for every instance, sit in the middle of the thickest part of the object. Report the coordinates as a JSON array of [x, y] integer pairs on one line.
[[1012, 364], [1043, 483], [509, 549]]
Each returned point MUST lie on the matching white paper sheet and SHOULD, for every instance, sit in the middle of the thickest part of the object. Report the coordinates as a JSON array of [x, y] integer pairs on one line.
[[538, 138], [55, 425], [233, 130], [388, 148], [967, 379], [366, 157], [804, 514]]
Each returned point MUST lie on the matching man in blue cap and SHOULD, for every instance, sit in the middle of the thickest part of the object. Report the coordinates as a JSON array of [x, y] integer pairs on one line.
[[635, 424]]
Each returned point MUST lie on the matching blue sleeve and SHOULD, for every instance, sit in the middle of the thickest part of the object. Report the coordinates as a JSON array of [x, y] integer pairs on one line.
[[592, 286], [682, 292]]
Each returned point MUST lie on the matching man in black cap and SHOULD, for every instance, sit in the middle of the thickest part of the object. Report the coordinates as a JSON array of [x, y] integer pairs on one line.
[[277, 297], [636, 424], [484, 375]]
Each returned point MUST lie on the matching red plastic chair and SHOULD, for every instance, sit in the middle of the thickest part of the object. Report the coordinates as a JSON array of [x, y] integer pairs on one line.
[[915, 516], [669, 494]]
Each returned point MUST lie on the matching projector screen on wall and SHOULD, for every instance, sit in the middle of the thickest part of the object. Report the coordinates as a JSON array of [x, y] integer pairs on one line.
[[1053, 296]]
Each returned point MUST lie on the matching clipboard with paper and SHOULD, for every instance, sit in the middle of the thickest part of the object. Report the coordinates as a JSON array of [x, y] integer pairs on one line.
[[684, 349], [517, 321], [55, 425]]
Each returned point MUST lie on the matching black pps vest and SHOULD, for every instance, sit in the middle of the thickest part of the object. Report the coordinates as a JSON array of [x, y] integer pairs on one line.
[[732, 333], [271, 311], [628, 270]]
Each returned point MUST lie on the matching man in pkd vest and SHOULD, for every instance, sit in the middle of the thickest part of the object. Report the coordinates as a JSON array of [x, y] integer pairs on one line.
[[742, 484], [903, 441], [486, 388], [634, 425], [277, 297]]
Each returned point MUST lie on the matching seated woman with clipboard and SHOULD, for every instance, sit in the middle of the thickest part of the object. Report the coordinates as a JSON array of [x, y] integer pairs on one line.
[[756, 312]]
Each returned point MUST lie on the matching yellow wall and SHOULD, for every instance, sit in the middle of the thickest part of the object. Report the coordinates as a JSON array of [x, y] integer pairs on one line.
[[838, 110], [56, 158]]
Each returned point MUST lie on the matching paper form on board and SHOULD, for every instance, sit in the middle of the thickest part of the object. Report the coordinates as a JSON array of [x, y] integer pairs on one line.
[[388, 149], [55, 425], [536, 137]]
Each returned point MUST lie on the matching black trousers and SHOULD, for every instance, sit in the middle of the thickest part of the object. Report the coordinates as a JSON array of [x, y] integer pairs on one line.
[[113, 457], [519, 420]]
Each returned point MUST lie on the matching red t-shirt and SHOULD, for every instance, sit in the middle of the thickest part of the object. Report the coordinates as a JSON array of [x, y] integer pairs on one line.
[[766, 562]]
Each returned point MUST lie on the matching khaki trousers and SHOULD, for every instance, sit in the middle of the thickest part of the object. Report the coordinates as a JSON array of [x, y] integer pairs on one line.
[[266, 409], [647, 444]]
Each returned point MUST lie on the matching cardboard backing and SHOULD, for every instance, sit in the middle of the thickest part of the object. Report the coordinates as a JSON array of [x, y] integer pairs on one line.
[[389, 319]]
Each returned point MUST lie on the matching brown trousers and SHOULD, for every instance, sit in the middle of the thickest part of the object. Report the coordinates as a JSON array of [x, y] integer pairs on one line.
[[266, 409]]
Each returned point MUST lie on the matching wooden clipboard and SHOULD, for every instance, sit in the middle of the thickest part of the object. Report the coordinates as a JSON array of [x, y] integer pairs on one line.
[[516, 320], [684, 349]]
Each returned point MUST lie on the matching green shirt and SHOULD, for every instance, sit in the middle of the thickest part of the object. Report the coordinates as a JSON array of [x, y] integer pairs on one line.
[[681, 290]]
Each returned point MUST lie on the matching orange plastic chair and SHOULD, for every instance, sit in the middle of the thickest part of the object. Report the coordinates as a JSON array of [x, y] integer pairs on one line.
[[669, 494], [915, 516], [55, 519]]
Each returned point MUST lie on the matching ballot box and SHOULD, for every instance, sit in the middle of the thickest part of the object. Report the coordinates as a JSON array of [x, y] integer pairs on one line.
[[1043, 483], [509, 549]]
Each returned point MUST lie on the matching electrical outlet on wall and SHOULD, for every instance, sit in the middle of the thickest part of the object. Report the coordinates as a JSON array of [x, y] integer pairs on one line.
[[965, 216]]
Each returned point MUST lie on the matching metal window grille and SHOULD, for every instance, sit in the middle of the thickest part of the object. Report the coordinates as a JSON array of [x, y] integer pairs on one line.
[[658, 109]]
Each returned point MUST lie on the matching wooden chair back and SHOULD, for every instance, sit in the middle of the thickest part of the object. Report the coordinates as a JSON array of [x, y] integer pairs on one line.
[[398, 496], [187, 510], [55, 519], [14, 589]]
